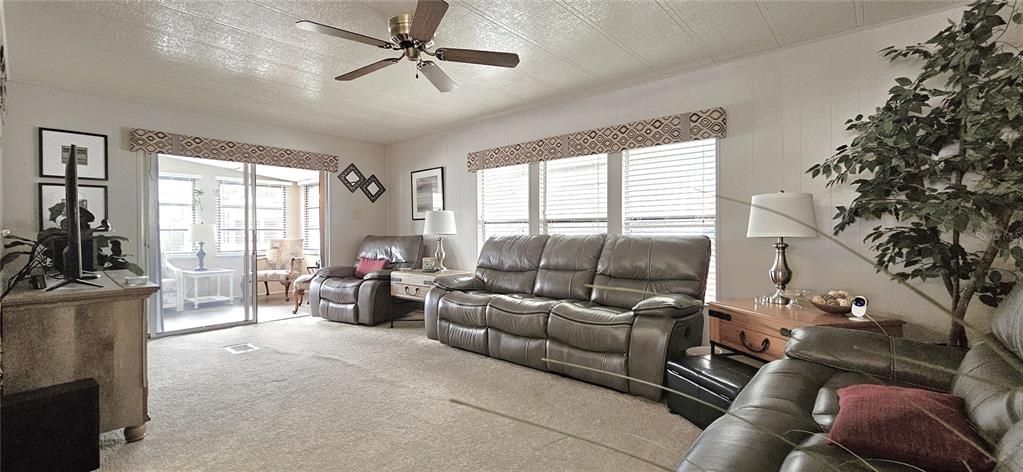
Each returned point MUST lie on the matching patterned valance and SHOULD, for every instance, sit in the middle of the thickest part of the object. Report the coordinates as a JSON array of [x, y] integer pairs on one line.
[[209, 148], [703, 124]]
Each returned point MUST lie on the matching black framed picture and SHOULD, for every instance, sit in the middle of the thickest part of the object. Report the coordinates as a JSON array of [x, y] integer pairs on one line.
[[373, 188], [427, 192], [352, 178], [90, 197], [51, 163]]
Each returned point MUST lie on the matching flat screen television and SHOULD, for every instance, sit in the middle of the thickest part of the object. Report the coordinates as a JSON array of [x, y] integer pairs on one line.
[[71, 269]]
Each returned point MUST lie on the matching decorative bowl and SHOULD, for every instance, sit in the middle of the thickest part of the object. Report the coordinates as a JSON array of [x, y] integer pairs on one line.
[[833, 309]]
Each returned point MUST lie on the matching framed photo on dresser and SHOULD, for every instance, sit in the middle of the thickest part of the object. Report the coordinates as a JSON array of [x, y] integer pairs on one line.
[[50, 157], [427, 192], [91, 197]]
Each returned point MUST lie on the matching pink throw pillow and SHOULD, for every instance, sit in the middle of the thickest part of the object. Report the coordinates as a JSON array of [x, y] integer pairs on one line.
[[369, 265]]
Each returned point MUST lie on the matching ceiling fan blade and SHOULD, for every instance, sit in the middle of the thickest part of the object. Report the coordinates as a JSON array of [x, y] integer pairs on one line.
[[427, 18], [472, 56], [340, 33], [437, 77], [355, 74]]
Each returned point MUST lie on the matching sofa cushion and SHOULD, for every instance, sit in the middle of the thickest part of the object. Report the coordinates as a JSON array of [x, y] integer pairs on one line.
[[989, 385], [520, 315], [816, 454], [591, 327], [342, 290], [650, 265], [399, 251], [568, 265], [465, 308], [508, 264], [915, 426], [604, 361]]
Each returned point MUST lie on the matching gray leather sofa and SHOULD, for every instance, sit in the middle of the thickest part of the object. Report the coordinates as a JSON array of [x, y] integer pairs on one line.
[[622, 304], [337, 295], [799, 394]]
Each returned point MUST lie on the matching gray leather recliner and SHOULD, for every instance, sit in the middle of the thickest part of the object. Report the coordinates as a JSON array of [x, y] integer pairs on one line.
[[796, 395], [335, 293], [620, 304]]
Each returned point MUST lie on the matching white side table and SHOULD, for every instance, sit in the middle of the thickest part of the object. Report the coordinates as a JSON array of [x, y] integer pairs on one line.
[[195, 276]]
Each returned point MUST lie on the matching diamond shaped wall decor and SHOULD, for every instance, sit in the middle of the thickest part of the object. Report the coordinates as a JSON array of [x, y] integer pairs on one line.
[[373, 188], [351, 177]]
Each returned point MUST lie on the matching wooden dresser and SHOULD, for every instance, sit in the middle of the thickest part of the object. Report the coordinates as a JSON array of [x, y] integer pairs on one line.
[[761, 331], [79, 332]]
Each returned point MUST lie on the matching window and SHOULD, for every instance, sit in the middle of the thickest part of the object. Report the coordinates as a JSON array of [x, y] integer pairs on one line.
[[503, 200], [177, 213], [311, 218], [271, 215], [573, 195], [670, 189]]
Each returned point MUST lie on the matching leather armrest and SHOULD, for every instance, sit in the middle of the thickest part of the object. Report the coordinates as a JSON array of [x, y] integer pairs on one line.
[[671, 305], [893, 359], [384, 274], [459, 282], [336, 271]]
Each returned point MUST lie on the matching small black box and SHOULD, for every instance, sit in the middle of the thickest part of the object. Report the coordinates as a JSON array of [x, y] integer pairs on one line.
[[714, 379], [52, 428]]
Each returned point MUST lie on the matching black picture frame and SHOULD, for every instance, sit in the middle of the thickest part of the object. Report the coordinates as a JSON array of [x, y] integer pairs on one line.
[[371, 195], [351, 170], [418, 214], [44, 205], [84, 172]]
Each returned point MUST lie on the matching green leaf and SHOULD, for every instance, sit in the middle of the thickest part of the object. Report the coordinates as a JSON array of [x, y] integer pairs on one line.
[[903, 81], [11, 257]]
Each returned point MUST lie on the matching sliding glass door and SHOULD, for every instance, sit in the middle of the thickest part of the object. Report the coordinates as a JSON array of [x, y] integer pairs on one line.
[[205, 213]]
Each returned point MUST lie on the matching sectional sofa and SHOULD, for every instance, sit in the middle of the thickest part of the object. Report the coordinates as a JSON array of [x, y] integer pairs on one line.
[[618, 304]]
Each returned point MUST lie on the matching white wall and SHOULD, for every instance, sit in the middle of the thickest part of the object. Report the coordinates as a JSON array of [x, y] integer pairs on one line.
[[31, 107], [786, 111]]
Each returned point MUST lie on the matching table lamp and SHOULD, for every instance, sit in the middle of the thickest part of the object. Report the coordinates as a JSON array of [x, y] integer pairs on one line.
[[440, 223], [201, 234], [781, 215]]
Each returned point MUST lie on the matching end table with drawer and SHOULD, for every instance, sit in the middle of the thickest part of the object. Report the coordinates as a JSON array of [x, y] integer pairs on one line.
[[760, 331], [415, 284]]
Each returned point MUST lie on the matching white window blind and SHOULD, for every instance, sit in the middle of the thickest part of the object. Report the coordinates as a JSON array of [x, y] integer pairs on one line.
[[503, 201], [271, 215], [311, 218], [670, 189], [573, 195], [177, 213]]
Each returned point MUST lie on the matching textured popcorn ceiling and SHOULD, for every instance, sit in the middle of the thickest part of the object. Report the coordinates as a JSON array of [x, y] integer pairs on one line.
[[246, 59]]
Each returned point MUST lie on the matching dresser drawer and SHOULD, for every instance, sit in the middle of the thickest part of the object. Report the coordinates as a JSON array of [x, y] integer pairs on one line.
[[755, 340], [410, 292]]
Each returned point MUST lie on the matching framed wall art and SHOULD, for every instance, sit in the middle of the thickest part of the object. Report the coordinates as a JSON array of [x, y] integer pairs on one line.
[[51, 163], [427, 192], [91, 197]]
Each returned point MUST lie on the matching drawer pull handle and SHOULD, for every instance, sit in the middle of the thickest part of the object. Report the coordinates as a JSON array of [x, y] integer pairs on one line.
[[763, 346], [785, 332], [410, 293]]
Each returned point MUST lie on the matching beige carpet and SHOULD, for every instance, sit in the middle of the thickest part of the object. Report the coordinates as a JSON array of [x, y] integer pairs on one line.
[[326, 396]]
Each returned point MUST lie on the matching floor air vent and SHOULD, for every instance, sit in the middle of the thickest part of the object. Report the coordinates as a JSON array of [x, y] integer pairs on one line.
[[240, 348]]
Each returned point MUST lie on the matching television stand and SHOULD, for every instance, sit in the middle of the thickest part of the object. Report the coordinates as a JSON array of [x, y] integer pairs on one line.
[[80, 280]]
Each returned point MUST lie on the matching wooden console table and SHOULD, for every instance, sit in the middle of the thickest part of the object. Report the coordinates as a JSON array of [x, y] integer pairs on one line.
[[79, 332], [761, 331], [415, 284]]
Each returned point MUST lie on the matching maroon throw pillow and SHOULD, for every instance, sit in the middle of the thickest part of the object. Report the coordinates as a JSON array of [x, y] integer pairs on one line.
[[899, 424], [369, 265]]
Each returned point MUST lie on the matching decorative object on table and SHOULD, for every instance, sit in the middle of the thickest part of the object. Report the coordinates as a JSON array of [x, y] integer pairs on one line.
[[90, 197], [351, 177], [427, 192], [52, 164], [440, 223], [282, 262], [859, 306], [781, 215], [837, 302], [968, 146], [373, 188], [201, 233], [430, 264]]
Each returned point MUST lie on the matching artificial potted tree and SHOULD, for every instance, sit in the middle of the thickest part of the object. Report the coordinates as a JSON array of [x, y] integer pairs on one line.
[[939, 166]]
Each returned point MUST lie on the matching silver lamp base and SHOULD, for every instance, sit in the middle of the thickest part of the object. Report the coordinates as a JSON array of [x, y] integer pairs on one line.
[[780, 273], [439, 254]]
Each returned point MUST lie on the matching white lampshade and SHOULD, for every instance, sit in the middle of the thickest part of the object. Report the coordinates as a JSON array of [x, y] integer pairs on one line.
[[202, 232], [440, 222], [782, 215]]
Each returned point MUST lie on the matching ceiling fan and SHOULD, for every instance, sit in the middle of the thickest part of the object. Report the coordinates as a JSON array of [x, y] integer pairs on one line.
[[413, 36]]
